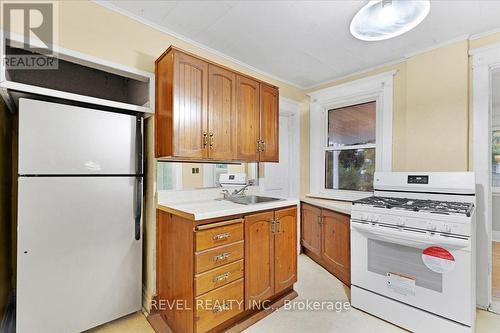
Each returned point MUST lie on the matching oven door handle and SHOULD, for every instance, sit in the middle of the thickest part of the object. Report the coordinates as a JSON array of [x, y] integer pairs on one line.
[[405, 237]]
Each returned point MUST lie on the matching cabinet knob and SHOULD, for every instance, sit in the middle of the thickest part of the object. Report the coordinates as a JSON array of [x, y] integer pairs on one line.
[[205, 139], [212, 141]]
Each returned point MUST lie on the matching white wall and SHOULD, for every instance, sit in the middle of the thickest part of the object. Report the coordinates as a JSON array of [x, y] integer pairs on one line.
[[496, 125]]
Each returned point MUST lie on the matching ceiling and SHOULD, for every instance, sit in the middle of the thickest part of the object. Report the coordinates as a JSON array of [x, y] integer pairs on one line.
[[306, 43]]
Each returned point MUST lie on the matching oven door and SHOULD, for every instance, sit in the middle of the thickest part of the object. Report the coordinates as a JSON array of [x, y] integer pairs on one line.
[[428, 271]]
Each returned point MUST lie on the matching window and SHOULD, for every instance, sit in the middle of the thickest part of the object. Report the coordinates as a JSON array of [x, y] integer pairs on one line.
[[495, 159], [350, 147], [350, 136]]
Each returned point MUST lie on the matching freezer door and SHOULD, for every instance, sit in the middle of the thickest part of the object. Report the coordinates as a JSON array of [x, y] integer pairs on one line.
[[62, 139], [79, 264]]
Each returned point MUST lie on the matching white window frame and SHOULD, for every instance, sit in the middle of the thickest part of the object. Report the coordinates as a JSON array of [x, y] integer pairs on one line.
[[378, 88], [485, 60]]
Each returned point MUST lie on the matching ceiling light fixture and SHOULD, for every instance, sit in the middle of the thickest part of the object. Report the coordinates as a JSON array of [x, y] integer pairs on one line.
[[384, 19]]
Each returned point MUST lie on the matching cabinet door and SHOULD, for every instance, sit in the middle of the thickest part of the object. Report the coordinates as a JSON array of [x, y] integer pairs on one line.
[[311, 229], [259, 258], [285, 249], [190, 106], [336, 244], [269, 123], [247, 123], [221, 113]]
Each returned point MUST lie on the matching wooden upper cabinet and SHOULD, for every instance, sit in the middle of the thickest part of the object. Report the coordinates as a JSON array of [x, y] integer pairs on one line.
[[205, 111], [311, 228], [335, 247], [259, 258], [182, 106], [285, 249], [190, 105], [248, 117], [221, 113], [269, 123]]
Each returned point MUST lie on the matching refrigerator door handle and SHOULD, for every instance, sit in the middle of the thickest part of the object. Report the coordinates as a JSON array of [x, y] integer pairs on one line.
[[138, 213], [139, 178]]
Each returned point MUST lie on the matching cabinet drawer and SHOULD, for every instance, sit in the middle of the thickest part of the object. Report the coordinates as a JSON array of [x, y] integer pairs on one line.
[[218, 256], [218, 277], [219, 305], [230, 232]]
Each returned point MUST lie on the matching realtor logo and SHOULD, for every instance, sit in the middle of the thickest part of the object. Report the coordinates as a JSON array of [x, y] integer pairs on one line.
[[29, 35]]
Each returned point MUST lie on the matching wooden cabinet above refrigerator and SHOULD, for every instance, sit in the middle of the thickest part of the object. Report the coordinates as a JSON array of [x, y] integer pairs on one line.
[[205, 111]]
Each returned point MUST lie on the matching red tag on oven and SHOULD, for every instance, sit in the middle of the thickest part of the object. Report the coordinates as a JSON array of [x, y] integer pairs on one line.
[[438, 259]]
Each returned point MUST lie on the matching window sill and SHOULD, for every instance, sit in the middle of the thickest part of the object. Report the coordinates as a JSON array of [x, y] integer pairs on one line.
[[341, 195]]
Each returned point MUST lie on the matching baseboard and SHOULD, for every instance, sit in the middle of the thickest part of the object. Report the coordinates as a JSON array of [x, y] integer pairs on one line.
[[147, 300], [496, 236]]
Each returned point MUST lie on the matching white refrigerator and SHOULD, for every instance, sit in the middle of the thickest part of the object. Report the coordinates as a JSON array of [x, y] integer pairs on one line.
[[79, 250]]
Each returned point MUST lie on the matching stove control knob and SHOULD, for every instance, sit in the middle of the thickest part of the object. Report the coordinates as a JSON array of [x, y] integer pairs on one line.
[[401, 221], [376, 218]]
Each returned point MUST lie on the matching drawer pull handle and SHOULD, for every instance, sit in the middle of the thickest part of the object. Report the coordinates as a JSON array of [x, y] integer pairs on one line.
[[222, 277], [222, 256], [220, 308], [222, 236]]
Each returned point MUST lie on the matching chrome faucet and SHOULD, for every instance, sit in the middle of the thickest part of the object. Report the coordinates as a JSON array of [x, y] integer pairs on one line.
[[241, 190], [225, 194]]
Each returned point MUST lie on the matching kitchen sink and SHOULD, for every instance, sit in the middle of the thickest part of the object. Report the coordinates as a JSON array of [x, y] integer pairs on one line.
[[252, 199]]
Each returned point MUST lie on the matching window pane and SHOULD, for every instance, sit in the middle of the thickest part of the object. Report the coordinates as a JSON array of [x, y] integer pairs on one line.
[[350, 169], [165, 179], [352, 125], [495, 158]]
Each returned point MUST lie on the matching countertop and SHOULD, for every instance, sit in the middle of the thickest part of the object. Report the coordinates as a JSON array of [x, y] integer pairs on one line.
[[343, 207], [204, 209]]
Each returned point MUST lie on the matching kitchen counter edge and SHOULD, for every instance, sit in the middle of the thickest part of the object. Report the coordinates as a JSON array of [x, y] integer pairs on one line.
[[216, 214], [343, 207]]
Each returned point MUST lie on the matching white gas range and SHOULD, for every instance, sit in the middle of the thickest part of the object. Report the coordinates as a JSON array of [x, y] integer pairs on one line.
[[413, 251]]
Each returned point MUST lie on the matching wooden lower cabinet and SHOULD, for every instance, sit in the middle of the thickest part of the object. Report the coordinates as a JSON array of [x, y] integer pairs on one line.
[[208, 272], [270, 254], [217, 306], [285, 249], [311, 229], [326, 238], [259, 258]]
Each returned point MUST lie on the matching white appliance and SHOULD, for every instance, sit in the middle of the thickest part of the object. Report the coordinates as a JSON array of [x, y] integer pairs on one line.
[[232, 180], [79, 250], [413, 251]]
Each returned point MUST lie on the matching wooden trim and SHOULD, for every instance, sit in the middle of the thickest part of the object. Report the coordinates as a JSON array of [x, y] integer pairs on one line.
[[218, 224], [179, 213], [302, 203], [197, 223]]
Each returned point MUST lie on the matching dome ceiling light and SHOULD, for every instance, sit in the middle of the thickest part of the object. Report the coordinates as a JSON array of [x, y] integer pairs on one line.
[[384, 19]]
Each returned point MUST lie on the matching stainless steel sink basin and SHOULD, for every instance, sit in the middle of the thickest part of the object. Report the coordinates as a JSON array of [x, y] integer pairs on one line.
[[252, 199]]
